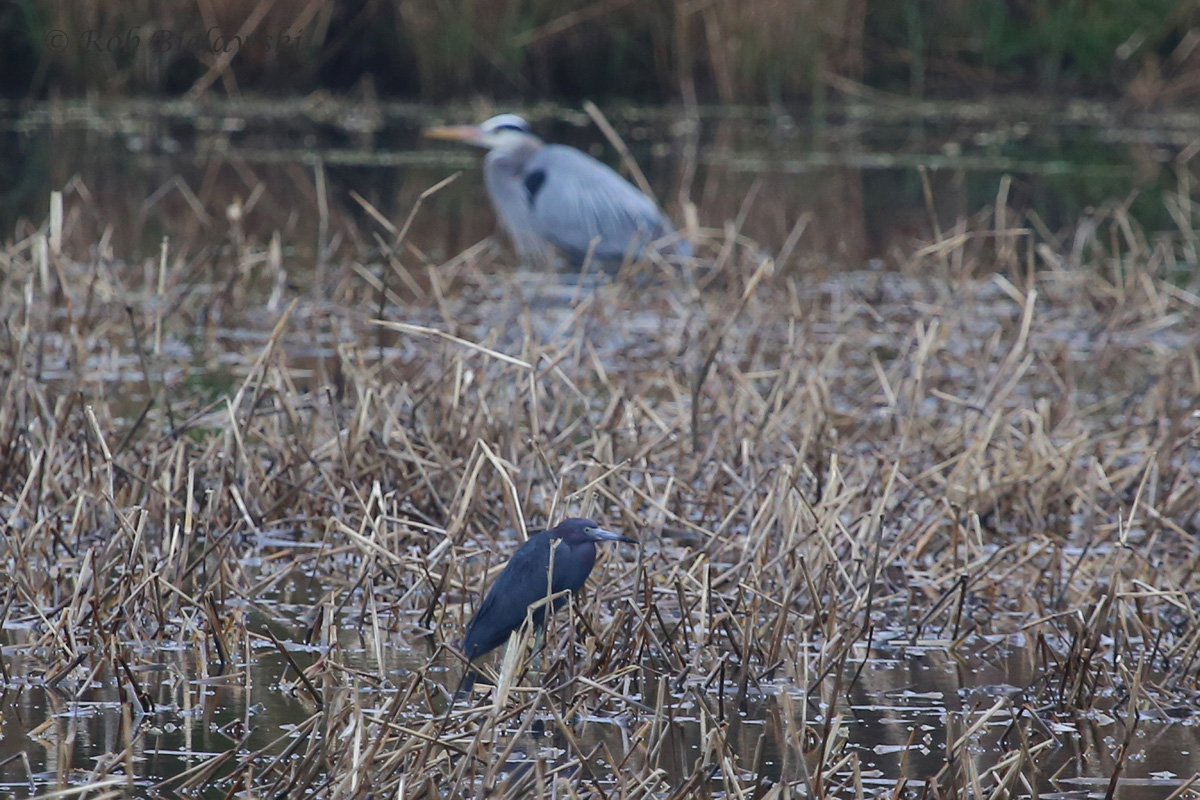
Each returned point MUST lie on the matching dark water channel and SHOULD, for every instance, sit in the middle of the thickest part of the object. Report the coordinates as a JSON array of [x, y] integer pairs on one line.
[[145, 169]]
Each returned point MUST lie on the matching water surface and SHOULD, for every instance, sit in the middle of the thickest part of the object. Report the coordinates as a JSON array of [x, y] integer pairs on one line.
[[870, 183]]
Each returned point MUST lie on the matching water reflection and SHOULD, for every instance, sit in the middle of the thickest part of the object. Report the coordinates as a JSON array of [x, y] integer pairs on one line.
[[901, 716]]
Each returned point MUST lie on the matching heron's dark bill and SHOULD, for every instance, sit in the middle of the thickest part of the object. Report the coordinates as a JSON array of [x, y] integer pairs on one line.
[[453, 133], [602, 535]]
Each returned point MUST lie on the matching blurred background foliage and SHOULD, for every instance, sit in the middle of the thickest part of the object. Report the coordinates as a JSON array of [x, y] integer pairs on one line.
[[745, 51]]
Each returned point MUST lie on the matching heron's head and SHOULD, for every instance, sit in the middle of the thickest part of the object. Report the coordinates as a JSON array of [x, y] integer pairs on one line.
[[585, 530], [501, 132]]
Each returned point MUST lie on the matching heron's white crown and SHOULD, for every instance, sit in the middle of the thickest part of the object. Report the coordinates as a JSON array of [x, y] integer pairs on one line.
[[503, 122]]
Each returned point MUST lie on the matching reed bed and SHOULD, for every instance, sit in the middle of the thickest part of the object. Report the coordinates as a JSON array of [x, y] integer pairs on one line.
[[993, 449], [731, 51]]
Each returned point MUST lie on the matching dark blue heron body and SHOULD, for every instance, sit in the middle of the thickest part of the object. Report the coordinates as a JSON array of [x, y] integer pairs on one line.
[[523, 581]]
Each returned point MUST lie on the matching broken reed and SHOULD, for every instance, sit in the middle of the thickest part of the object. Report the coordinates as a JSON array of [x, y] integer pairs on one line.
[[991, 442]]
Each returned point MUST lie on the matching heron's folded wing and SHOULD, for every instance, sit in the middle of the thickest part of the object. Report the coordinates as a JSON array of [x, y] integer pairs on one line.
[[576, 199], [521, 583]]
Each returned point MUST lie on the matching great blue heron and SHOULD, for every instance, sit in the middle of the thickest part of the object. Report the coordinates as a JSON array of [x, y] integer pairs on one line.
[[552, 194], [523, 581]]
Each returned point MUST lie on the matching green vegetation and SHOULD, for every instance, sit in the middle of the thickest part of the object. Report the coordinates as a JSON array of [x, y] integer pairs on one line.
[[657, 51], [1073, 40]]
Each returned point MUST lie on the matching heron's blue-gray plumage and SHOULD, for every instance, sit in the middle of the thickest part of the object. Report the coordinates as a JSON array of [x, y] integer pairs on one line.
[[523, 582], [554, 195], [504, 178], [582, 199]]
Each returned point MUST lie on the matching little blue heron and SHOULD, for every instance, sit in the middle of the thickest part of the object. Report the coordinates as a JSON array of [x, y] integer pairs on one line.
[[523, 581], [552, 194]]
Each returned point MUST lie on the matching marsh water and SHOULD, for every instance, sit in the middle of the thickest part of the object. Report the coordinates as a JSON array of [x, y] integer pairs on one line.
[[898, 712], [889, 177]]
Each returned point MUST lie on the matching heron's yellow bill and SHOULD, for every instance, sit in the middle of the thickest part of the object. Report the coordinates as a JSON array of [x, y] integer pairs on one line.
[[452, 133]]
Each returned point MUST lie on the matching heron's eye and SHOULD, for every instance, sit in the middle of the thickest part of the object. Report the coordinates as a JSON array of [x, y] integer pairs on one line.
[[517, 128]]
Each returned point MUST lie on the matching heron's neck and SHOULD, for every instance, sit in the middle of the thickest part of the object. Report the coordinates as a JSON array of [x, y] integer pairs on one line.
[[512, 159], [502, 175]]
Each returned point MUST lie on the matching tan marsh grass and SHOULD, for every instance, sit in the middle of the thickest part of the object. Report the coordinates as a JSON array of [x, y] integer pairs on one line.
[[993, 449]]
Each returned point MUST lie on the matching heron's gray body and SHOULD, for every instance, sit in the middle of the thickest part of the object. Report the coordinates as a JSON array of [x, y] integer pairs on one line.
[[572, 200], [554, 195]]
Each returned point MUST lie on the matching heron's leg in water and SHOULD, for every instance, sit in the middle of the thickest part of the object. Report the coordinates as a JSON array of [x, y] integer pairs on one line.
[[465, 684], [539, 641]]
